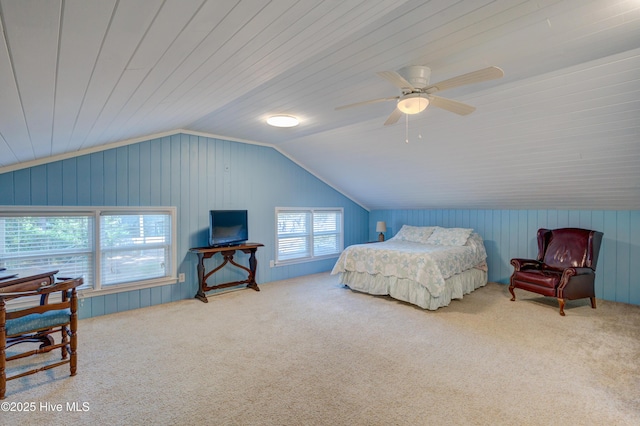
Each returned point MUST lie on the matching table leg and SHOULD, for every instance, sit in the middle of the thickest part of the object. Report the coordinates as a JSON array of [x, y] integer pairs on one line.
[[200, 294], [253, 263]]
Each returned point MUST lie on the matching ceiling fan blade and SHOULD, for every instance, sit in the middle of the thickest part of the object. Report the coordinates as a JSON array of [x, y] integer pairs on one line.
[[396, 79], [485, 74], [451, 105], [394, 117], [373, 101]]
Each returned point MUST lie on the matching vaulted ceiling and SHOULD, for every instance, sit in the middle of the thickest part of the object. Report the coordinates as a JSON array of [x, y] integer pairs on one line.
[[561, 129]]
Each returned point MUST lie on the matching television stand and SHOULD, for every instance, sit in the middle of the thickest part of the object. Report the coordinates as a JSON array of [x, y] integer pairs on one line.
[[227, 253]]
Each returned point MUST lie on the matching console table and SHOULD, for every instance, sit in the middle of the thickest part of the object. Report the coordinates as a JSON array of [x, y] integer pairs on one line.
[[227, 253]]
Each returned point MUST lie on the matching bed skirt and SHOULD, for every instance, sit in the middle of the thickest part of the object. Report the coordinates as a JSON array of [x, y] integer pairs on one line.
[[413, 292]]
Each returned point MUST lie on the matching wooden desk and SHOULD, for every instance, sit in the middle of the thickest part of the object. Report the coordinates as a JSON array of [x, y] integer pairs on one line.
[[227, 253], [25, 280]]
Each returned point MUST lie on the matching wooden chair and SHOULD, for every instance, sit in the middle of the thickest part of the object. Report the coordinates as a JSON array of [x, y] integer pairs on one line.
[[39, 324]]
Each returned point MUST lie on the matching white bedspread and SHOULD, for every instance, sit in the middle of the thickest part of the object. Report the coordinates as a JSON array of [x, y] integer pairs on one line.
[[429, 265]]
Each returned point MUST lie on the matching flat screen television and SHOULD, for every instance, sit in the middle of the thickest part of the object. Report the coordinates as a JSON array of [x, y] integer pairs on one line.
[[228, 227]]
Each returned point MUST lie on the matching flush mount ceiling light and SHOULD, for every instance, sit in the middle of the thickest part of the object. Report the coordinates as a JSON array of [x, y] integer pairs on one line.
[[282, 121], [413, 103]]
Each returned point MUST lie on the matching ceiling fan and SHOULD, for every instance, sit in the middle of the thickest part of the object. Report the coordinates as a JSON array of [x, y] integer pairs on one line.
[[417, 93]]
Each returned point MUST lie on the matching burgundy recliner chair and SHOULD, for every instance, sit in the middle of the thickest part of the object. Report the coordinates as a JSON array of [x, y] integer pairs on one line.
[[565, 267]]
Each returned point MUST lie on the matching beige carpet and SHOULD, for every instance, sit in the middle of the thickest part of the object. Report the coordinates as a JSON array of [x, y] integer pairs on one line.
[[309, 351]]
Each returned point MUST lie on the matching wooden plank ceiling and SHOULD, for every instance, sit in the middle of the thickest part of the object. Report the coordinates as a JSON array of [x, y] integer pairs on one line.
[[560, 130]]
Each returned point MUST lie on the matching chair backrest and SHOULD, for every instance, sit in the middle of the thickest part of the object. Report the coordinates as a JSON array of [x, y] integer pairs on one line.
[[568, 247]]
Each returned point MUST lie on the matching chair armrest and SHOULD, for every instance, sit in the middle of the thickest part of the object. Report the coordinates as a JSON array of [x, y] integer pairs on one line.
[[520, 264], [44, 296], [571, 272], [66, 284]]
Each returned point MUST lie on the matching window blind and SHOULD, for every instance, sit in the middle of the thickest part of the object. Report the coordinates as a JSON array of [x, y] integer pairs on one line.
[[134, 247], [308, 233], [64, 243]]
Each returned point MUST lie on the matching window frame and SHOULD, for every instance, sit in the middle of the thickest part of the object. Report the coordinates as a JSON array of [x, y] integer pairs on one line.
[[96, 288], [312, 257]]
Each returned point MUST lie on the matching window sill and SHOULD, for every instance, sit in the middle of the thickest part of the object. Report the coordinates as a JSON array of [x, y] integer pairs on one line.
[[120, 288], [305, 260]]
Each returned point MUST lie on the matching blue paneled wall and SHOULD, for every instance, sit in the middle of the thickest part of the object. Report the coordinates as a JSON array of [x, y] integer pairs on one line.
[[195, 174], [512, 233]]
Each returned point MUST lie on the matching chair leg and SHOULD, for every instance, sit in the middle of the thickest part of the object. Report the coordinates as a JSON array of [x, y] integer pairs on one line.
[[593, 302], [3, 343], [73, 339], [3, 361], [73, 357], [65, 340], [513, 294], [3, 375], [561, 303]]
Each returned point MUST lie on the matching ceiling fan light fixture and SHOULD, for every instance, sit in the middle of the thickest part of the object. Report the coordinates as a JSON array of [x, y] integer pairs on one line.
[[413, 103], [282, 121]]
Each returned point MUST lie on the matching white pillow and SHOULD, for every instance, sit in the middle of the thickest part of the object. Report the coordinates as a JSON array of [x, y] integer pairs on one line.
[[449, 236], [416, 234]]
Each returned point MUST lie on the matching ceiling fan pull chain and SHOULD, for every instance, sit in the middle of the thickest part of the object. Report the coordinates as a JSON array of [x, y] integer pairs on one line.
[[406, 128]]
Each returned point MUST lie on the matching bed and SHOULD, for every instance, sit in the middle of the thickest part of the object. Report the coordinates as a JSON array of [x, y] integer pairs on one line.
[[425, 266]]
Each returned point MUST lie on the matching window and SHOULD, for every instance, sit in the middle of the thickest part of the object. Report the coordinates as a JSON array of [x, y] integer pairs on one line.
[[113, 249], [42, 241], [134, 247], [304, 234]]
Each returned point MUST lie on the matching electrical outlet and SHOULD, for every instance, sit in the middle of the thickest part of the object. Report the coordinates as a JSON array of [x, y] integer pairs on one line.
[[271, 264], [181, 278]]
